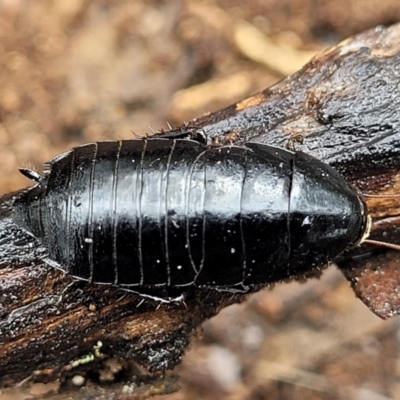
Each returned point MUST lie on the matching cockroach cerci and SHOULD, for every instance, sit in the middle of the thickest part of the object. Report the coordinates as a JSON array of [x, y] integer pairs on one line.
[[151, 213]]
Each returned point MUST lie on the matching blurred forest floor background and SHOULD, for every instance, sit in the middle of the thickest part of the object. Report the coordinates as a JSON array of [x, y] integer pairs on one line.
[[78, 71]]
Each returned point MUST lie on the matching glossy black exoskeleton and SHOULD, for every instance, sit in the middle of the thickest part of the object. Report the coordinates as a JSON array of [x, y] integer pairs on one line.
[[176, 213]]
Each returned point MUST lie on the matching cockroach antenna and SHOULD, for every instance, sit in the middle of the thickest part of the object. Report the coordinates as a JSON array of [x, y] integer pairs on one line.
[[365, 239], [381, 196], [391, 246]]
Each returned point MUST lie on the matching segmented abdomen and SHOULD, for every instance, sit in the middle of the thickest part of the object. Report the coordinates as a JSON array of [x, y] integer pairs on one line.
[[173, 213]]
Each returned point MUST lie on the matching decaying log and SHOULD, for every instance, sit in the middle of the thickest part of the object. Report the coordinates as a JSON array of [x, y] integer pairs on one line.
[[343, 105]]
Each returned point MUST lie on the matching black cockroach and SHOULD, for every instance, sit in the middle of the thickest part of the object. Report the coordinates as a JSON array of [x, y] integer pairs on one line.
[[163, 213]]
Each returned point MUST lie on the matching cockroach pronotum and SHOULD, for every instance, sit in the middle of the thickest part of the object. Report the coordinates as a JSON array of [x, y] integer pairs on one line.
[[164, 213]]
